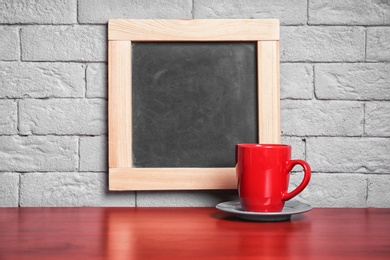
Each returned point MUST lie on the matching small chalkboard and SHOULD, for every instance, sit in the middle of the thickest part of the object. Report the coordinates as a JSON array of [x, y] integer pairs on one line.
[[182, 93], [195, 101]]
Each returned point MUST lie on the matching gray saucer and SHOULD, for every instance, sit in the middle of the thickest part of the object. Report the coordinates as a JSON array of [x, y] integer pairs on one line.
[[290, 208]]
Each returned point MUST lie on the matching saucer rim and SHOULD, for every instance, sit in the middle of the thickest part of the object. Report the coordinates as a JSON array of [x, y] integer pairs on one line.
[[306, 207]]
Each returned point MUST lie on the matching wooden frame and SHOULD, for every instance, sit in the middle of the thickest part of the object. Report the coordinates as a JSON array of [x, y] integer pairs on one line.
[[121, 33]]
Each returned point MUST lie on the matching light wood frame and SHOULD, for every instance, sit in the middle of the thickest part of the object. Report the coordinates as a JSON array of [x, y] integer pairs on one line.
[[121, 34]]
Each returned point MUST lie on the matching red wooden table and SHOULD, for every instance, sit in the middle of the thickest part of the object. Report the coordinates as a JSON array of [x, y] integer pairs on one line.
[[190, 233]]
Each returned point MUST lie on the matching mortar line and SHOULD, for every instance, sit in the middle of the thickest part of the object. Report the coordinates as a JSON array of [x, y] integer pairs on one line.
[[314, 84], [77, 12], [307, 12], [365, 45], [28, 171], [104, 24], [331, 25], [20, 188], [18, 116], [345, 100], [78, 154], [55, 135], [46, 24], [86, 62], [85, 80], [20, 44], [338, 136], [57, 98], [333, 62], [364, 120]]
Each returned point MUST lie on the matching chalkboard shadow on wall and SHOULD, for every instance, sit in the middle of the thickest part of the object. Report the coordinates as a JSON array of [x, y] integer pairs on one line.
[[178, 103]]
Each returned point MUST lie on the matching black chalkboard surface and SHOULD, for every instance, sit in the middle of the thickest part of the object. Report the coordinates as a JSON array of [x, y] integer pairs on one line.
[[192, 102]]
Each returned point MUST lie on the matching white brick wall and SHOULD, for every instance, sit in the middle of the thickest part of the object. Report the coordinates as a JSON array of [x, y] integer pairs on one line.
[[378, 44], [99, 11], [9, 44], [321, 118], [64, 43], [335, 90], [93, 153], [69, 189], [9, 117], [63, 116], [42, 80], [322, 44], [349, 154], [38, 153], [40, 12], [296, 81], [352, 81], [290, 12], [349, 12]]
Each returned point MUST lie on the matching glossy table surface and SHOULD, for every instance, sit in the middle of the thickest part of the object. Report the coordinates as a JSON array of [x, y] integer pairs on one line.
[[190, 233]]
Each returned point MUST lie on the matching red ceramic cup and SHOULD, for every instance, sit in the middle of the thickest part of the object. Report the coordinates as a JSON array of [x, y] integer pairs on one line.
[[263, 173]]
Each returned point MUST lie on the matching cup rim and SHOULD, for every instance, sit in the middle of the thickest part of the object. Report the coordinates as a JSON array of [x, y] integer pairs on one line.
[[253, 145]]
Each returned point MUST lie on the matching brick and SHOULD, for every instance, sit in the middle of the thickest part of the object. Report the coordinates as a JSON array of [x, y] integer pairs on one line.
[[93, 153], [289, 12], [349, 12], [100, 11], [43, 11], [38, 153], [297, 146], [97, 80], [346, 155], [69, 189], [41, 80], [378, 44], [296, 81], [319, 118], [322, 44], [378, 191], [64, 43], [9, 189], [352, 81], [377, 119], [184, 198], [333, 190], [8, 115], [9, 43], [63, 116]]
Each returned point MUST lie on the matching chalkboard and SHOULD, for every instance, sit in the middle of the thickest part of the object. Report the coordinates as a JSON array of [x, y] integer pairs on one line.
[[182, 93], [194, 102]]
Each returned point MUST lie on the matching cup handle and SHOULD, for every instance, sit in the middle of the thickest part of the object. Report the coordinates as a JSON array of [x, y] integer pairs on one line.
[[306, 178]]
